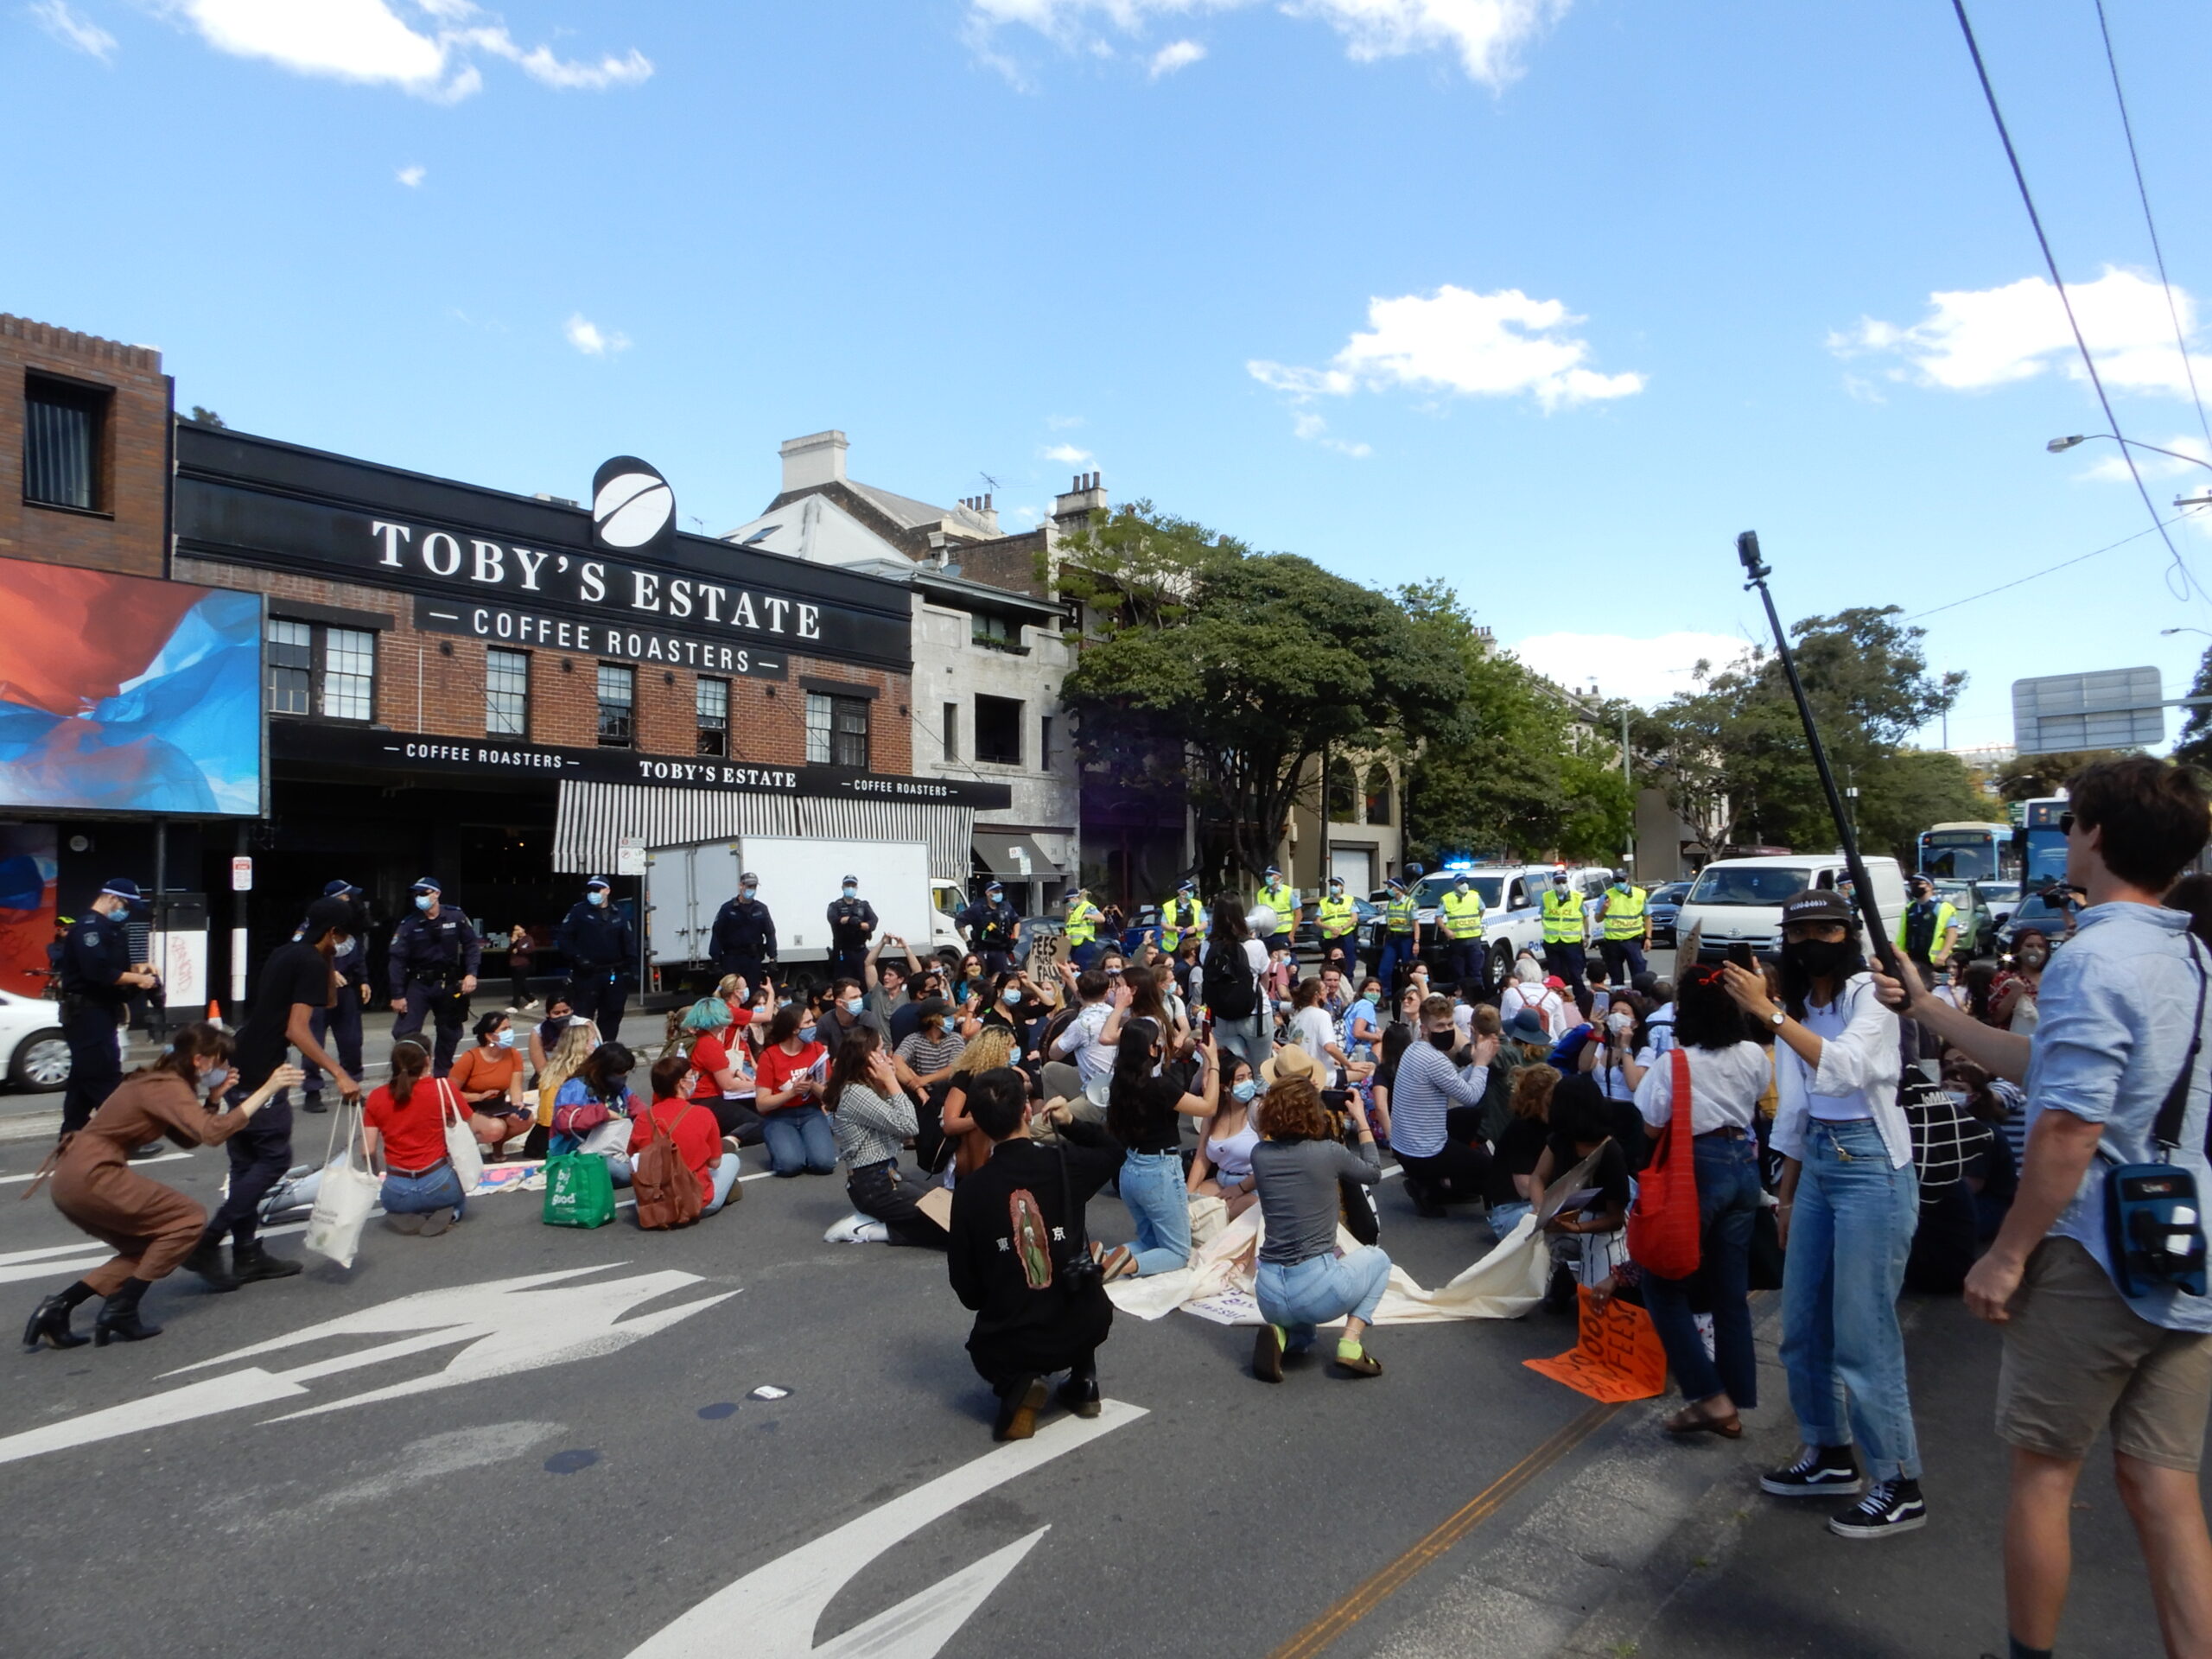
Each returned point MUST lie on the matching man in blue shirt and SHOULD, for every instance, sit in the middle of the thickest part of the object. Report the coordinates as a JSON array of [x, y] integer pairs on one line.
[[2119, 1007]]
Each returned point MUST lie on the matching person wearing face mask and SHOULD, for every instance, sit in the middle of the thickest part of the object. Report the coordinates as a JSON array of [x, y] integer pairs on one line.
[[97, 977], [1222, 1167], [1337, 919], [1927, 932], [338, 1026], [852, 923], [789, 1084], [1563, 930], [435, 955], [1435, 1116], [743, 939], [927, 1055], [992, 928], [1624, 928], [488, 1079], [2016, 1005], [1459, 918], [1850, 1202], [152, 1228], [845, 1012], [602, 952]]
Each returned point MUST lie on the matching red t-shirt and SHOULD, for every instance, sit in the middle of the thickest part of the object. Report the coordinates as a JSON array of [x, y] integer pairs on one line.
[[709, 1054], [698, 1141], [777, 1069], [414, 1132]]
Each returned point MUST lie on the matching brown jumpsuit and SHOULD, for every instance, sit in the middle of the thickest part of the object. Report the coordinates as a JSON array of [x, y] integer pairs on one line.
[[152, 1227]]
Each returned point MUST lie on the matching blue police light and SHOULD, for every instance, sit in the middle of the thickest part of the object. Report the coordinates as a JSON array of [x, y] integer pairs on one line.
[[1458, 863]]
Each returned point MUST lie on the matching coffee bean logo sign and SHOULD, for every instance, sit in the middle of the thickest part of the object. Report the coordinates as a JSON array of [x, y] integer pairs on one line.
[[631, 505]]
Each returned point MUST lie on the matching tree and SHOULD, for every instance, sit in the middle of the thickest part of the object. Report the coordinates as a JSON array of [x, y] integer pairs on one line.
[[1904, 791], [208, 418], [2195, 745], [2032, 776]]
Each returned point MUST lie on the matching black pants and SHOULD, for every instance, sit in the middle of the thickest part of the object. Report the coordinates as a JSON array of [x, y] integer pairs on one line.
[[600, 994], [997, 961], [1468, 959], [751, 970], [342, 1023], [1455, 1173], [877, 1191], [1080, 1367], [95, 1061], [1624, 959], [848, 964], [1569, 961], [259, 1154], [735, 1117], [450, 1010], [518, 985]]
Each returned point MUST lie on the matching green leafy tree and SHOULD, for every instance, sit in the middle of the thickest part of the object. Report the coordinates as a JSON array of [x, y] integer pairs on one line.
[[1905, 790], [2195, 745], [2033, 777]]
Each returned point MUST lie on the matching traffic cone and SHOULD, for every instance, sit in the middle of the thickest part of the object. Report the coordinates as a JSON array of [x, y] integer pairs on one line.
[[214, 1012]]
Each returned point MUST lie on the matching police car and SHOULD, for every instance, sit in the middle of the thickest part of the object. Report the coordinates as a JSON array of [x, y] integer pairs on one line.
[[32, 1047], [1512, 896]]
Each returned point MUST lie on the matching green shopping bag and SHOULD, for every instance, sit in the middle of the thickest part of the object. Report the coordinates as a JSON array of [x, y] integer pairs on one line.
[[579, 1192]]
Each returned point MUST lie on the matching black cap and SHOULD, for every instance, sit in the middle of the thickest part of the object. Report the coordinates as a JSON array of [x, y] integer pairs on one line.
[[339, 890], [332, 910], [850, 881], [427, 884], [598, 881], [1816, 904], [933, 1007]]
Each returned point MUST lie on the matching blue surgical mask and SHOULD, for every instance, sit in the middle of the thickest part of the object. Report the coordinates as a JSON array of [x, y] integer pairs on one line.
[[806, 1033], [505, 1039], [1244, 1089], [596, 897], [853, 1004], [751, 890], [1013, 995], [851, 892], [423, 901]]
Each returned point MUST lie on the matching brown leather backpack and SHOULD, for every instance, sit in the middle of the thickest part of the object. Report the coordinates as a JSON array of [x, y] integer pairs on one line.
[[667, 1190]]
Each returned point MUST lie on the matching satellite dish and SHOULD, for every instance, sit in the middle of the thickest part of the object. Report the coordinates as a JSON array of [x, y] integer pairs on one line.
[[631, 505]]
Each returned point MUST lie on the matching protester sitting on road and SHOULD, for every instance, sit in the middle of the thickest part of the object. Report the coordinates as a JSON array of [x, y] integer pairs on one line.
[[546, 1034], [873, 1119], [691, 1125], [577, 1037], [726, 1082], [1145, 1111], [1363, 1021], [1514, 1152], [788, 1097], [1610, 1058], [1587, 1242], [992, 1048], [1083, 1040], [488, 1079], [1312, 1030], [1301, 1281], [151, 1227], [591, 1111], [928, 1056], [1727, 1075], [1223, 1167], [1442, 1153], [1140, 999], [406, 1118], [1017, 1226], [1528, 991]]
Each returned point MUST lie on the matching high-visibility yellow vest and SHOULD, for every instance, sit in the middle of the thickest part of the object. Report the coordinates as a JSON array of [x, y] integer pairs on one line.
[[1462, 915], [1284, 902], [1562, 916], [1183, 917], [1624, 913], [1946, 917], [1398, 914], [1083, 922], [1337, 917]]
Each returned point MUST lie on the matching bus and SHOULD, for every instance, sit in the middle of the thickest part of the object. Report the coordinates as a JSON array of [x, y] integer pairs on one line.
[[2044, 844], [1970, 852]]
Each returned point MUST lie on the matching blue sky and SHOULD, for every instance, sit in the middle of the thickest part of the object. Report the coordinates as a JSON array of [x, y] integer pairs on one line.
[[1547, 299]]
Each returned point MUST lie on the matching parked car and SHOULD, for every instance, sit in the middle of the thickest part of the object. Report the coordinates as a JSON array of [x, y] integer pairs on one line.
[[1665, 904], [1977, 927], [2037, 911], [1309, 932], [32, 1047], [2002, 898]]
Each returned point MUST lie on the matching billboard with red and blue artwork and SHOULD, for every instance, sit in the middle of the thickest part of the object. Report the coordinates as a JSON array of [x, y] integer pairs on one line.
[[127, 696]]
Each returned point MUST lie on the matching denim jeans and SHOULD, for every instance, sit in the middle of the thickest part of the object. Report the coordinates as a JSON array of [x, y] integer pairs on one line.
[[1727, 1203], [1850, 1233], [1159, 1204], [1305, 1293], [799, 1138], [723, 1179], [1504, 1218], [415, 1195], [1246, 1040]]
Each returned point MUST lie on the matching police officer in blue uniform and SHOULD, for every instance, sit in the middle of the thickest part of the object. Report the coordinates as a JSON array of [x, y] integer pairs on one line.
[[852, 921], [743, 940], [435, 957], [603, 953], [338, 1027], [97, 977], [994, 927]]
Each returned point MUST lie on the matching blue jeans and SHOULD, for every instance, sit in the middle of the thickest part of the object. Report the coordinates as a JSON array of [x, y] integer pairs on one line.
[[799, 1139], [1850, 1233], [416, 1195], [1727, 1203], [1159, 1204], [724, 1179], [1504, 1218], [1321, 1287], [1246, 1038]]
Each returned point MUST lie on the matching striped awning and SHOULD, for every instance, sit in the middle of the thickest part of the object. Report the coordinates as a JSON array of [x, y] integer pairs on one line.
[[593, 818]]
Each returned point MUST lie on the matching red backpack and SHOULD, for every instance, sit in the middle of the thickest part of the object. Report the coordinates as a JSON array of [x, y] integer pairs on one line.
[[667, 1188]]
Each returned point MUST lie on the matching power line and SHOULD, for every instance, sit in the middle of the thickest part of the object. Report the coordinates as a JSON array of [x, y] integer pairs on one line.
[[2033, 575], [2159, 253], [2050, 263]]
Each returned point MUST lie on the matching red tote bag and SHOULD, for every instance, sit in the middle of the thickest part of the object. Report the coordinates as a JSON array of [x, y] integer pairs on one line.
[[1663, 1225]]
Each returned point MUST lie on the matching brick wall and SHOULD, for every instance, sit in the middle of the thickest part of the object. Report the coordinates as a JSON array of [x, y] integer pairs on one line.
[[127, 534], [433, 684]]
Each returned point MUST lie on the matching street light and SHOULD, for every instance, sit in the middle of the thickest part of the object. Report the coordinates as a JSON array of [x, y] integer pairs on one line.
[[2059, 446], [2163, 633]]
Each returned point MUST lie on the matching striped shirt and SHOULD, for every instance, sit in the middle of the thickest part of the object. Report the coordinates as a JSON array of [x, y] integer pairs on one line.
[[1426, 1086], [927, 1056]]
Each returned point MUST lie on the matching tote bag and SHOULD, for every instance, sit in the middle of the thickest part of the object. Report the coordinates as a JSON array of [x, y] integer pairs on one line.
[[579, 1192], [347, 1195], [1664, 1228], [462, 1149]]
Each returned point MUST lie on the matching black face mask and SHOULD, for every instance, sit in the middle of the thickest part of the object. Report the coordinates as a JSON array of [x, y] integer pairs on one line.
[[1445, 1041], [1818, 958]]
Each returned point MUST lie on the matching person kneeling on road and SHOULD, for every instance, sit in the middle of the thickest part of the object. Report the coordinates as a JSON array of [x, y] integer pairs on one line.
[[405, 1116], [1302, 1282], [873, 1119], [1021, 1258], [1435, 1116]]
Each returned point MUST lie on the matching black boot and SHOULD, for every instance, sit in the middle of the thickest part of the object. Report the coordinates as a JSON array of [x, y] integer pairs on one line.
[[50, 1324], [251, 1262], [1079, 1394], [207, 1261], [119, 1321]]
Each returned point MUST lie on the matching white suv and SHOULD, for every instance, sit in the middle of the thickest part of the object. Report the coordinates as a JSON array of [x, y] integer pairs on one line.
[[1513, 897]]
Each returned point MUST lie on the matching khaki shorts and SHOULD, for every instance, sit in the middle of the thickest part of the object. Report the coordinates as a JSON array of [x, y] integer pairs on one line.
[[2077, 1357]]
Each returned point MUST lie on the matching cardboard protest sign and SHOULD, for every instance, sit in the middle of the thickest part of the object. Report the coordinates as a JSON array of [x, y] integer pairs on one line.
[[1047, 950], [1618, 1358]]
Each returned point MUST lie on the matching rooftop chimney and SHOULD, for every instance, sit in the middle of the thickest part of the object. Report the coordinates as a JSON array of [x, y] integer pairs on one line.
[[813, 460], [1085, 496]]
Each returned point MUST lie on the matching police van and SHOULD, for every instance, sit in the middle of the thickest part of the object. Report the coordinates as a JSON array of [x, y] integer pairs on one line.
[[1512, 896], [1739, 901]]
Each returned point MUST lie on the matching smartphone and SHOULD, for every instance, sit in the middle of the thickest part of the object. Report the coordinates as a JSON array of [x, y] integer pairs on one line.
[[1740, 954]]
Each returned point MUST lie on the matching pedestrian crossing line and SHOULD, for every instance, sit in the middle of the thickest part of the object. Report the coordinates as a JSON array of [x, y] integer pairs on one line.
[[136, 1163]]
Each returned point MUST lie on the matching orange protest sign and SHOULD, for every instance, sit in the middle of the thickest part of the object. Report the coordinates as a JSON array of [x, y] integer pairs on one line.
[[1618, 1358]]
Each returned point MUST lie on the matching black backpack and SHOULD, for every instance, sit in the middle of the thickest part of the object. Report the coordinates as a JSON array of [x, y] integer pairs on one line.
[[1232, 990]]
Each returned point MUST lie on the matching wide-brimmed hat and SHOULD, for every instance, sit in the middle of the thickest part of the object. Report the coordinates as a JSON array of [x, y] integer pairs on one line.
[[1288, 1066], [1525, 1027]]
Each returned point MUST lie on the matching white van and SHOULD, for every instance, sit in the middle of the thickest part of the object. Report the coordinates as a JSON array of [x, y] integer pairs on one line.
[[1739, 901]]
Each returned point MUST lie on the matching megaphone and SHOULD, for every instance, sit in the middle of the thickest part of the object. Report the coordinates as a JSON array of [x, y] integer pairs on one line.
[[1262, 920]]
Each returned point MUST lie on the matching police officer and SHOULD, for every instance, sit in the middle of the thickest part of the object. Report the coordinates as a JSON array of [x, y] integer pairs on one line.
[[1624, 925], [1182, 918], [993, 927], [435, 957], [1283, 901], [1083, 919], [97, 977], [743, 940], [1338, 919], [1459, 916], [1396, 933], [852, 922], [603, 953], [1929, 930], [1563, 930], [338, 1027]]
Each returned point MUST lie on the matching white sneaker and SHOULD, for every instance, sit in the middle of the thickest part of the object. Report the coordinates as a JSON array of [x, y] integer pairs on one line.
[[871, 1232], [848, 1231]]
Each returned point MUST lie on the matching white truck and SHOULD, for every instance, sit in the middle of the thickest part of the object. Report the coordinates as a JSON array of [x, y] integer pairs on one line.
[[686, 885]]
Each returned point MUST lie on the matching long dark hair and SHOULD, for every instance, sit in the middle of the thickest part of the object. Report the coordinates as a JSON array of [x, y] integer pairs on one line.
[[849, 1065], [410, 1064], [1132, 1071], [1705, 1016], [188, 1046], [607, 1058], [1229, 921], [1797, 984]]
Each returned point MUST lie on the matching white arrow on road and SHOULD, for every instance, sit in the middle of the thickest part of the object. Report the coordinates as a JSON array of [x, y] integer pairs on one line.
[[771, 1612]]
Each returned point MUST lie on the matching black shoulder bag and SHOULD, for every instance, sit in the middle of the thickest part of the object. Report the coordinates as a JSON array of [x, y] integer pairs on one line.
[[2154, 1219]]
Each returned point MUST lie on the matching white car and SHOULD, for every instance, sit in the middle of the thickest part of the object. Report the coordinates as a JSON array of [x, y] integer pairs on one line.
[[32, 1047]]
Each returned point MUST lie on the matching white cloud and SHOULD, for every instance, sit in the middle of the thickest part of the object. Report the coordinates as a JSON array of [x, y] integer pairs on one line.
[[71, 27], [591, 340], [1645, 671], [429, 51], [1974, 339], [1068, 453], [1176, 54], [1499, 345], [1312, 428], [1485, 36], [2113, 468], [1063, 422], [412, 177]]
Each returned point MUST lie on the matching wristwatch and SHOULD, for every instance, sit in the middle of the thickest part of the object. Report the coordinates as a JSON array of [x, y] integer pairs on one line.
[[1777, 1018]]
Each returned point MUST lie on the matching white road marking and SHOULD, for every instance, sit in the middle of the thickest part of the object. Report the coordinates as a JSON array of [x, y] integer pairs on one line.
[[136, 1163], [772, 1612]]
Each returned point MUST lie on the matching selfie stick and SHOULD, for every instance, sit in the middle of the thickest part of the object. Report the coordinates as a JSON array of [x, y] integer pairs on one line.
[[1862, 889]]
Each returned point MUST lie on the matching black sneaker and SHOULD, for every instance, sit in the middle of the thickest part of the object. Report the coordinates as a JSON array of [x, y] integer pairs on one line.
[[1820, 1472], [1889, 1506]]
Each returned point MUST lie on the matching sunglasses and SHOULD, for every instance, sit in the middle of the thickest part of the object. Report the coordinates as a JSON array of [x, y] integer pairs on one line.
[[2066, 823]]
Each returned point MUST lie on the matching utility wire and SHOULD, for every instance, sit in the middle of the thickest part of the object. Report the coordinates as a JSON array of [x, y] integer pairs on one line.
[[2181, 341], [2034, 574], [2050, 263]]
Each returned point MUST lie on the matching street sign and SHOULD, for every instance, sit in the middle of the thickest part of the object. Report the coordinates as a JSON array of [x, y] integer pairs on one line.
[[630, 855], [241, 875], [2117, 709]]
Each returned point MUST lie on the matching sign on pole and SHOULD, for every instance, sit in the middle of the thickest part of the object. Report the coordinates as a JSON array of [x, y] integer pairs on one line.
[[242, 874], [2117, 709], [630, 855]]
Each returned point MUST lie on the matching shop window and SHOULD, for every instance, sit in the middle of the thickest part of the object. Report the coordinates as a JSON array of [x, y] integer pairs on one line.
[[998, 731], [1343, 793], [618, 705], [507, 693], [952, 731], [320, 672], [836, 731], [65, 441], [713, 717], [1378, 795]]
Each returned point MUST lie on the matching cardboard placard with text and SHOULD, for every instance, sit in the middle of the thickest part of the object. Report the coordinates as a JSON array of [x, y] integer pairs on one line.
[[1047, 952], [1618, 1356]]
